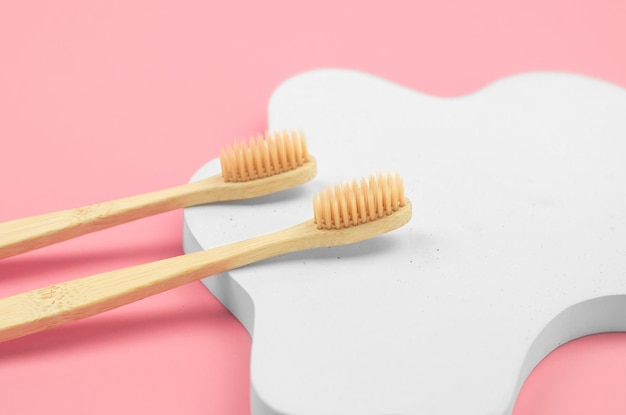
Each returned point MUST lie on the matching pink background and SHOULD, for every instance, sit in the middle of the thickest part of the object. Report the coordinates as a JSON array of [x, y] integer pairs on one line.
[[105, 99]]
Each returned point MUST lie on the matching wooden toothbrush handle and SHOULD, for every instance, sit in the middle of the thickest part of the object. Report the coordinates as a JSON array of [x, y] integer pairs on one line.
[[51, 306], [26, 234]]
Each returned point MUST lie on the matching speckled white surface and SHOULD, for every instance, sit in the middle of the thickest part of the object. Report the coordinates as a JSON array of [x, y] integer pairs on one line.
[[517, 245]]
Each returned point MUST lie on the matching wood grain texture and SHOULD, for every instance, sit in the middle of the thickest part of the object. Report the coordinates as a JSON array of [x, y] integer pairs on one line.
[[52, 306], [35, 232]]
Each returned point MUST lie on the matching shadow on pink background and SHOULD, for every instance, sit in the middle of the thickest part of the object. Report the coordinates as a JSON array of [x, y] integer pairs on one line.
[[100, 100]]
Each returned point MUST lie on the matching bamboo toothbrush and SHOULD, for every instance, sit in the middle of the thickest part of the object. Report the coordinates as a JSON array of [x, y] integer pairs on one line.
[[343, 214], [260, 166]]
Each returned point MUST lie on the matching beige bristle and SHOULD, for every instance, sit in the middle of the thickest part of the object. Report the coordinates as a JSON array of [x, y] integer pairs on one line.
[[263, 156], [357, 202]]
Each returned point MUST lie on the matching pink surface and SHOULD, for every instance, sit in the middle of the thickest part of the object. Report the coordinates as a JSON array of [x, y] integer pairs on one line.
[[100, 100]]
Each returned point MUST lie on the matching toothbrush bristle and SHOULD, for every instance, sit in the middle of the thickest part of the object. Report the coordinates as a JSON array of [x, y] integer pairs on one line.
[[263, 156], [353, 203]]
